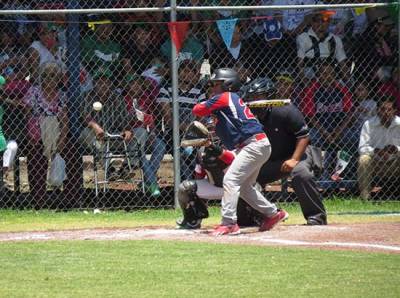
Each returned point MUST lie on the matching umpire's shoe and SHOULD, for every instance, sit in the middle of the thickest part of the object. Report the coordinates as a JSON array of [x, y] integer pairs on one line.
[[188, 225]]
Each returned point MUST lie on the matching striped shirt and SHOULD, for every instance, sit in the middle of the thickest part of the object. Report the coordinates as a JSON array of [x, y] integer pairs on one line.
[[186, 100]]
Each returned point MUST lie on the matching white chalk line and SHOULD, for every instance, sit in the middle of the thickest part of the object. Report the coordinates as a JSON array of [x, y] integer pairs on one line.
[[328, 243], [154, 233]]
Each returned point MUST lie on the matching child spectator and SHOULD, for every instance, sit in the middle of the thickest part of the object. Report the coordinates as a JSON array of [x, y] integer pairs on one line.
[[326, 103]]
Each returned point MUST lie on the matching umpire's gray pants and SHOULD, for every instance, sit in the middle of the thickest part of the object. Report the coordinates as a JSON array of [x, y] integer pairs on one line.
[[303, 182], [240, 179]]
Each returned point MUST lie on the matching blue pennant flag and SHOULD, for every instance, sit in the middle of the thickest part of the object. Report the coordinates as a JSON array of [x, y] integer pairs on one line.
[[226, 28]]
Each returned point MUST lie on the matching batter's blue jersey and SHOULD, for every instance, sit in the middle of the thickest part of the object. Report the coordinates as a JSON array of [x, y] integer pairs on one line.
[[235, 122]]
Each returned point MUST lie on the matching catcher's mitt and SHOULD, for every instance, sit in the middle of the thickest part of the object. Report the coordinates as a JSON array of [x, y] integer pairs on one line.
[[196, 135]]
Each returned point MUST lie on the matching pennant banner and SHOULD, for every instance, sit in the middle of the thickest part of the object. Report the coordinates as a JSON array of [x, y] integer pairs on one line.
[[178, 32], [226, 28]]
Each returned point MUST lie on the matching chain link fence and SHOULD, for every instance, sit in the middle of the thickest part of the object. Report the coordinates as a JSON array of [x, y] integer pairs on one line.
[[92, 94]]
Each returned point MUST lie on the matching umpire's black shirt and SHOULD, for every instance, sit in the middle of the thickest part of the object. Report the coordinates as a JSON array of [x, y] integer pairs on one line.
[[283, 126]]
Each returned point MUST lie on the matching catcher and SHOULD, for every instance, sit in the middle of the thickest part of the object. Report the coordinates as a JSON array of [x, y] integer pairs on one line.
[[212, 162]]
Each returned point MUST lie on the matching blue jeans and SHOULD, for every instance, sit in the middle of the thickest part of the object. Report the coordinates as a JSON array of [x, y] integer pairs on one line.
[[150, 167]]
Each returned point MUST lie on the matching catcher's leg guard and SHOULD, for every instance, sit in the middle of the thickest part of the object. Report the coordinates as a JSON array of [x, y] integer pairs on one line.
[[193, 208]]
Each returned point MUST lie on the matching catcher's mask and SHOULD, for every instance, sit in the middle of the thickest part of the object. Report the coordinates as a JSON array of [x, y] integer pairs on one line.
[[260, 87]]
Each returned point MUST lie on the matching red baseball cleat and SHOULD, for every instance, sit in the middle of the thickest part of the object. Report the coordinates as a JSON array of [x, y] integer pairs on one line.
[[271, 222], [226, 230]]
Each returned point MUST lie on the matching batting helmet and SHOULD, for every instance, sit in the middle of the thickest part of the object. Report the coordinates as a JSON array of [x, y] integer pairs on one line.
[[229, 77], [260, 86]]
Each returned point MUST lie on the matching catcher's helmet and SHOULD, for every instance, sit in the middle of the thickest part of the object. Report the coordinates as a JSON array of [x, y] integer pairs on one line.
[[260, 86], [229, 77]]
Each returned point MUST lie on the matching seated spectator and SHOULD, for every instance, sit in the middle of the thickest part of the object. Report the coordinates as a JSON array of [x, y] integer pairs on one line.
[[140, 51], [188, 95], [141, 95], [8, 149], [286, 87], [317, 45], [47, 127], [113, 118], [192, 49], [10, 53], [376, 52], [326, 103], [391, 88], [379, 148], [45, 49], [364, 108], [349, 21], [99, 50], [23, 30]]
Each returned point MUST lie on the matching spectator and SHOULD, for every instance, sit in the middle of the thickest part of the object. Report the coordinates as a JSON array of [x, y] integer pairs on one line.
[[349, 21], [391, 88], [45, 105], [113, 119], [376, 53], [8, 149], [286, 87], [363, 109], [317, 45], [189, 93], [191, 49], [141, 98], [23, 30], [45, 49], [10, 54], [326, 103], [99, 50], [140, 51], [379, 148]]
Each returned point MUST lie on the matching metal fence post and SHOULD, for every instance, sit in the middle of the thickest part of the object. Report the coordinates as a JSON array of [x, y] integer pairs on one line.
[[175, 112], [73, 64]]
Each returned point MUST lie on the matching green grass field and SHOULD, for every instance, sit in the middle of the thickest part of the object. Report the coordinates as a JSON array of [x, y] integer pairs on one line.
[[339, 211], [167, 269], [185, 269]]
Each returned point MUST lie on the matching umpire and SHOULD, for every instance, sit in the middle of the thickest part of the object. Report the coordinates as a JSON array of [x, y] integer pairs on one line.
[[291, 155]]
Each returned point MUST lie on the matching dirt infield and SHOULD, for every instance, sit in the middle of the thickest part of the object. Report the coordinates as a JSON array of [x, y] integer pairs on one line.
[[382, 237]]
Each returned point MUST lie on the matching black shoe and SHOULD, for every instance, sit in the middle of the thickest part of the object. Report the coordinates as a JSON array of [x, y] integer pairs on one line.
[[185, 225], [317, 220]]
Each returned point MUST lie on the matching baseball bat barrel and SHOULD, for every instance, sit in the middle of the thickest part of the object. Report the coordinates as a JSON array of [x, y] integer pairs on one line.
[[265, 103]]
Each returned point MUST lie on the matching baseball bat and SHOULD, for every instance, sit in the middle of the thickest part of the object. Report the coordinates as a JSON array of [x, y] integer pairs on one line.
[[265, 103]]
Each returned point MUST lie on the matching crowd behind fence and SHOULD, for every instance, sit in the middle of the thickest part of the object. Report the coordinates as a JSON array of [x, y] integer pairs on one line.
[[93, 95]]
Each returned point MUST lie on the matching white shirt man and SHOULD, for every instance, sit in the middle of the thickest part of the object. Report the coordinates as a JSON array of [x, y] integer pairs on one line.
[[379, 148], [305, 46]]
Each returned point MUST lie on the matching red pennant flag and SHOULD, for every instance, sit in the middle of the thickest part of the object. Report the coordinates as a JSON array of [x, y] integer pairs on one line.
[[178, 32]]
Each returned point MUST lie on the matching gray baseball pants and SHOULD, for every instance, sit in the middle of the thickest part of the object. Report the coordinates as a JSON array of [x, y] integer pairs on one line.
[[240, 180]]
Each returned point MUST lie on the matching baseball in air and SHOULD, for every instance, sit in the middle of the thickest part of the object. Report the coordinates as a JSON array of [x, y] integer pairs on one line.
[[97, 106]]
